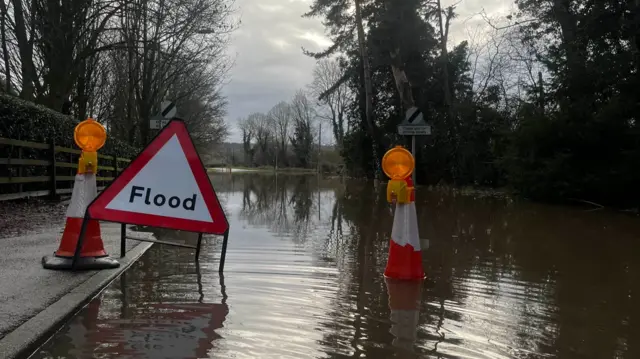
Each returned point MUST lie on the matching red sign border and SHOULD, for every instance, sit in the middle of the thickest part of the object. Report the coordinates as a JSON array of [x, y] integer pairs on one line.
[[97, 208]]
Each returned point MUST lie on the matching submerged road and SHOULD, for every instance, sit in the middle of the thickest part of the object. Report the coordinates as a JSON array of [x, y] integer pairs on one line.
[[303, 279]]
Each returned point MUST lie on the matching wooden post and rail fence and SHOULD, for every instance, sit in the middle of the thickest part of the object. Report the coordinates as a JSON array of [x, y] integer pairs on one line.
[[32, 169]]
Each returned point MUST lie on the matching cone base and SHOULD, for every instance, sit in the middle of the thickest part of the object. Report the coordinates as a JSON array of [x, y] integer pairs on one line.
[[83, 263], [92, 247], [404, 263], [399, 278]]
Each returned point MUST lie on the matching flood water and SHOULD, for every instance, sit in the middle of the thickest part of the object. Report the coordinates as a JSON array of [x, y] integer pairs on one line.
[[303, 279]]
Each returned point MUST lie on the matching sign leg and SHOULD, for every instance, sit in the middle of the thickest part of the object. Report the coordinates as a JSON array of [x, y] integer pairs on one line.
[[198, 246], [223, 289], [199, 280], [223, 255], [123, 240], [80, 242]]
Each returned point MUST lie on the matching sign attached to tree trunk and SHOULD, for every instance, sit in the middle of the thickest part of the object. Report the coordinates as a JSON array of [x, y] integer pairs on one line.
[[158, 122], [414, 124], [168, 110], [413, 130]]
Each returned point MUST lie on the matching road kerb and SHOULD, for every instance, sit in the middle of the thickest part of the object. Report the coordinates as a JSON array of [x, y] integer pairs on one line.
[[30, 335]]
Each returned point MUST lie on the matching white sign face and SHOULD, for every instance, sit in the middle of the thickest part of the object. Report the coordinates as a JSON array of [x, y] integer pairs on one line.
[[157, 124], [414, 116], [412, 130], [166, 187], [171, 107]]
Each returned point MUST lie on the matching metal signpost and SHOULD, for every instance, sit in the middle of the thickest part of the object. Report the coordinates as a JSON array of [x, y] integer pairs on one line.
[[414, 125], [168, 110]]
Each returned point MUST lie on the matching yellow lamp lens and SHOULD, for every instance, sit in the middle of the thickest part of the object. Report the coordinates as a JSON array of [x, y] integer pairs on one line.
[[398, 163], [90, 135]]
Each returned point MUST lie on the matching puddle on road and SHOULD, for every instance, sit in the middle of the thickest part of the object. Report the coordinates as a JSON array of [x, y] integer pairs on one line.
[[303, 279]]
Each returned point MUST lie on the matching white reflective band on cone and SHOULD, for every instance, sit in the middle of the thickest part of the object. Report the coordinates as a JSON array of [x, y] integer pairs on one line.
[[405, 226], [85, 190]]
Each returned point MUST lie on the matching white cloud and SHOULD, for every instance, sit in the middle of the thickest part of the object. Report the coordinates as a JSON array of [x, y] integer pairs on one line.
[[469, 18], [269, 63], [316, 38]]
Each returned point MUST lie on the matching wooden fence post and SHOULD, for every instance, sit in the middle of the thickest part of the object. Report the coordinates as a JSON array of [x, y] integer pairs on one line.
[[52, 184], [20, 170], [115, 166]]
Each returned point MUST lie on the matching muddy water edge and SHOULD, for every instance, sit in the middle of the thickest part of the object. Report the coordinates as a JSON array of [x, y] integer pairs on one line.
[[303, 279]]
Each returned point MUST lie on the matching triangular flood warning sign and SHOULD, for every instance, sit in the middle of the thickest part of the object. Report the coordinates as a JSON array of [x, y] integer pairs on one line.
[[165, 186]]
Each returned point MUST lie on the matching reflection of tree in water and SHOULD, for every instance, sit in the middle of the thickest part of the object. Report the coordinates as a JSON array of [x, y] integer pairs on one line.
[[281, 203], [532, 277], [301, 201], [335, 239], [259, 194], [521, 269], [349, 244], [542, 271], [359, 321]]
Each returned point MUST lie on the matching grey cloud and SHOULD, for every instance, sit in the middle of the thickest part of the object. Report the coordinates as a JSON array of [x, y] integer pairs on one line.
[[269, 63]]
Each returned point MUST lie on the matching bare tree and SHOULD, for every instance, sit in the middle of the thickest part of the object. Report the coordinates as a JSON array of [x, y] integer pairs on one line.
[[117, 60], [280, 116], [64, 45], [200, 100], [333, 94], [443, 25], [302, 109], [302, 137], [171, 40], [247, 129], [263, 132], [503, 60]]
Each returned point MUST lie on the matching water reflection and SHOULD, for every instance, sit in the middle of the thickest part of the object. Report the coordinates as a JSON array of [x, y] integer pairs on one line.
[[303, 275], [404, 304], [131, 320]]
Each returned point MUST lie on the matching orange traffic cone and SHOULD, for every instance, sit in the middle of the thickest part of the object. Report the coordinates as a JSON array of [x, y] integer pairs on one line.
[[405, 253], [404, 303], [92, 253]]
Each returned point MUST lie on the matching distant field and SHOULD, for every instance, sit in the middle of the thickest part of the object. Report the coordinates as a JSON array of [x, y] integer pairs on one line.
[[262, 169]]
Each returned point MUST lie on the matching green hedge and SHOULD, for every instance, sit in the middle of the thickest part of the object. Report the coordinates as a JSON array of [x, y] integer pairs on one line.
[[27, 121], [23, 120]]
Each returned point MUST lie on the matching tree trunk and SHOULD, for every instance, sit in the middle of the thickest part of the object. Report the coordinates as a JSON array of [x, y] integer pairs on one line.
[[131, 34], [402, 82], [368, 90], [635, 38], [5, 51], [25, 48], [575, 51], [81, 91], [452, 121], [540, 92], [444, 34]]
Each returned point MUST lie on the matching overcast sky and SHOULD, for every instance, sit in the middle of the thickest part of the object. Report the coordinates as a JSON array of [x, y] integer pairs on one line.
[[269, 63]]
